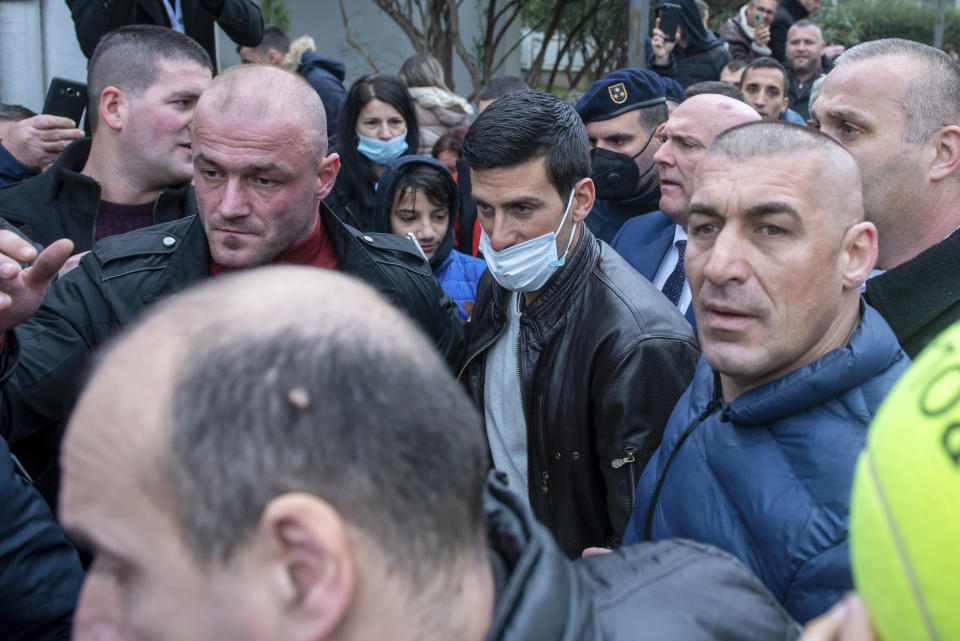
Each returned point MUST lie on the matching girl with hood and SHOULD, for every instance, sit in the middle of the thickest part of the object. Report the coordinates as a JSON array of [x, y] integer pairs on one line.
[[417, 195]]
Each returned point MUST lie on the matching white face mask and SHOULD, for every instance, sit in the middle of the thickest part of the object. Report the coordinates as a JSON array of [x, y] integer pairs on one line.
[[527, 266]]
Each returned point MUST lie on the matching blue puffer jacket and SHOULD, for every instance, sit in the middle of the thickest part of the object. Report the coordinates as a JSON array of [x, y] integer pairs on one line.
[[459, 275], [767, 477]]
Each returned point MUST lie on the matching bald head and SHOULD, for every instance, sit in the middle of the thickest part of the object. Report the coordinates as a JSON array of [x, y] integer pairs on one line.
[[683, 140], [265, 92], [280, 380], [837, 177]]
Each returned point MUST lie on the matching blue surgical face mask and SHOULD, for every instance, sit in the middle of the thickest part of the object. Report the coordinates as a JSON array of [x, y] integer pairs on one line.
[[527, 266], [382, 151]]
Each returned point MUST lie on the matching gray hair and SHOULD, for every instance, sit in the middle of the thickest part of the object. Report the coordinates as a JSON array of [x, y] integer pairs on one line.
[[345, 401], [931, 99]]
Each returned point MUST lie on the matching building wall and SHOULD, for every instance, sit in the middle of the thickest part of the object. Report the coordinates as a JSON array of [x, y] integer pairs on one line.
[[376, 33], [37, 42]]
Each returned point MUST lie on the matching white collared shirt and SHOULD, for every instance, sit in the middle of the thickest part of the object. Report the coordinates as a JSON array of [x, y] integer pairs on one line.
[[668, 264]]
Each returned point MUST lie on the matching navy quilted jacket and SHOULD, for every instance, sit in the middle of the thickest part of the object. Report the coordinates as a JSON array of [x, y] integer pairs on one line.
[[767, 477]]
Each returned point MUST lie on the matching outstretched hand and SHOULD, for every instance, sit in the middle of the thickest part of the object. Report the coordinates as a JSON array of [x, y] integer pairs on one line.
[[22, 289]]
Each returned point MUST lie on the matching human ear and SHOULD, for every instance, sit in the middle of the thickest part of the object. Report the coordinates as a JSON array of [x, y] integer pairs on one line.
[[583, 197], [858, 253], [945, 144], [312, 556], [327, 172], [273, 56], [113, 108]]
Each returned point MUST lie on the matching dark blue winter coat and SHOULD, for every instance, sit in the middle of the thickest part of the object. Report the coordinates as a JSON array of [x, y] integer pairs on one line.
[[767, 477], [457, 273], [40, 573], [325, 75]]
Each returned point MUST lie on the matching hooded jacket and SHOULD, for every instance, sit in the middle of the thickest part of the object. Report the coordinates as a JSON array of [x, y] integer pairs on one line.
[[63, 203], [437, 113], [704, 56], [325, 75], [670, 590], [767, 477], [457, 273]]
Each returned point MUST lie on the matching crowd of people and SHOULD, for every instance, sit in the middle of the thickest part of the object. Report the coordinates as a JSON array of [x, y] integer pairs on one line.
[[592, 368]]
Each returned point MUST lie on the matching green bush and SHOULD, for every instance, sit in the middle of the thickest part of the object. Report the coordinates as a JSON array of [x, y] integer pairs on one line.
[[890, 18]]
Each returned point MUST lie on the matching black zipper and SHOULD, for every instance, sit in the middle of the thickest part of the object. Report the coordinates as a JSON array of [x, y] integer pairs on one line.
[[630, 460], [712, 406]]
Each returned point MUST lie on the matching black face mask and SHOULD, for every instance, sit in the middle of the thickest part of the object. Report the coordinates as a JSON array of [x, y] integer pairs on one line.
[[615, 175]]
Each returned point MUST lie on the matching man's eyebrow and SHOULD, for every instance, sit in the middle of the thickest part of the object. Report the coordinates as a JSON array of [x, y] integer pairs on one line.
[[772, 207], [270, 166], [844, 113], [704, 209], [180, 95]]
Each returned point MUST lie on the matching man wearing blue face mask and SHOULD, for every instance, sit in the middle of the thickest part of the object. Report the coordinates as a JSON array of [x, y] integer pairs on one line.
[[574, 358], [622, 111]]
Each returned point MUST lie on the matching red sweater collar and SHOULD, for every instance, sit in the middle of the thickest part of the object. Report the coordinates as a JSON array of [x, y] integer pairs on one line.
[[316, 249]]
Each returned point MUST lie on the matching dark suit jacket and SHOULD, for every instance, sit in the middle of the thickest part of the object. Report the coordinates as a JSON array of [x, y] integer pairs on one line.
[[240, 19], [920, 298], [644, 241]]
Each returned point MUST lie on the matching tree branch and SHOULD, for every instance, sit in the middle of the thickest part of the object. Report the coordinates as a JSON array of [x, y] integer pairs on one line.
[[352, 42]]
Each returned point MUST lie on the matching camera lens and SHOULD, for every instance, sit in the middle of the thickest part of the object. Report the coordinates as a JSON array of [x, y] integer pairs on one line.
[[70, 91]]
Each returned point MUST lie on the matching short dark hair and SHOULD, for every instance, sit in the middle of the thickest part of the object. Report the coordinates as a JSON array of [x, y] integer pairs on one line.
[[734, 66], [714, 86], [129, 59], [531, 124], [434, 181], [500, 87], [653, 116], [766, 62], [15, 112], [273, 38], [325, 409], [356, 175]]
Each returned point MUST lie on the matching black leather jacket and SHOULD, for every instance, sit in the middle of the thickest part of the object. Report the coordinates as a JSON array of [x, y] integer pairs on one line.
[[604, 356], [126, 273], [63, 203], [672, 590]]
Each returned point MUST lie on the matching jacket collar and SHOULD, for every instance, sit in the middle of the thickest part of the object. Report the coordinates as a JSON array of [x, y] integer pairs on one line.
[[872, 349], [540, 598], [909, 308], [82, 193]]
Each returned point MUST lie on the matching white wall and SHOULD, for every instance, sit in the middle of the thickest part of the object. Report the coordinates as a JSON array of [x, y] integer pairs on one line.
[[37, 42]]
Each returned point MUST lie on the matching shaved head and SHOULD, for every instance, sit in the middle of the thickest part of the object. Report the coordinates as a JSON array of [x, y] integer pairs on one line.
[[725, 112], [265, 92], [838, 177]]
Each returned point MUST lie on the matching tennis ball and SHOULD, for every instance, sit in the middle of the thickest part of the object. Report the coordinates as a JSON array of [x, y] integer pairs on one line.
[[905, 507]]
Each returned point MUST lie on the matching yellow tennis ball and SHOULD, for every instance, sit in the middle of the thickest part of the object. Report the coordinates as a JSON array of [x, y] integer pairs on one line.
[[905, 507]]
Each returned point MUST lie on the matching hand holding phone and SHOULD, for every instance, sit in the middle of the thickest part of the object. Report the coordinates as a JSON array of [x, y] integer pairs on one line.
[[669, 20], [66, 98]]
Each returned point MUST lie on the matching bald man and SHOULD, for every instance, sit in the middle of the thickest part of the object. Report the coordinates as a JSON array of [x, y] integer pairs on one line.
[[759, 453], [655, 243], [261, 169], [270, 476]]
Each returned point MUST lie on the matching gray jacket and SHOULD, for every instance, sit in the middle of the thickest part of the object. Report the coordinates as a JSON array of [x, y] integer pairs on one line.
[[674, 589]]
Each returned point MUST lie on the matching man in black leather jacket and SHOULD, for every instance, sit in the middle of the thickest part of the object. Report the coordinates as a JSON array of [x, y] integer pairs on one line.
[[575, 359], [307, 486], [258, 204]]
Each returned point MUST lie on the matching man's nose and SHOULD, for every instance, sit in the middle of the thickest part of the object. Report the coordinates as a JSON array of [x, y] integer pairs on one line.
[[233, 203]]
